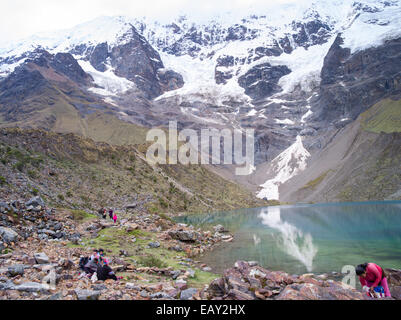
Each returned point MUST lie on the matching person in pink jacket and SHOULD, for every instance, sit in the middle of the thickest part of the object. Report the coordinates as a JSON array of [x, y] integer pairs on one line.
[[115, 218], [371, 275]]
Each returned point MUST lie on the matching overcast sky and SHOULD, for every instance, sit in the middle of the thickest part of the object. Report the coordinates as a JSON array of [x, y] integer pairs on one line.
[[22, 18]]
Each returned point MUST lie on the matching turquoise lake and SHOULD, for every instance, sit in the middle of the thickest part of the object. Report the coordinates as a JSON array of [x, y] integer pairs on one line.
[[300, 239]]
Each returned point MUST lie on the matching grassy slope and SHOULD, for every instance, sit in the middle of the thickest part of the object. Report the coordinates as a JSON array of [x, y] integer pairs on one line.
[[53, 109], [78, 173], [384, 116], [372, 166]]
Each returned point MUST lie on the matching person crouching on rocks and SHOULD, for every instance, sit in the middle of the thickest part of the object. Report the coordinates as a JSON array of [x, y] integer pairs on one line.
[[371, 276], [104, 272]]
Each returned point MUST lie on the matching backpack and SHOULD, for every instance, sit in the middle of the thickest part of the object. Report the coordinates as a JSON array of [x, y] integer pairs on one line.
[[82, 262], [104, 273]]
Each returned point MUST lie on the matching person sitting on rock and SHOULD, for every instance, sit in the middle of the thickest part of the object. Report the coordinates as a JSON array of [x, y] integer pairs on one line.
[[371, 275], [91, 267], [101, 255], [104, 272]]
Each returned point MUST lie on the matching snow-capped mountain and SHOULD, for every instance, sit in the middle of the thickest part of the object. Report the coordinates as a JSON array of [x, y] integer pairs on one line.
[[296, 73]]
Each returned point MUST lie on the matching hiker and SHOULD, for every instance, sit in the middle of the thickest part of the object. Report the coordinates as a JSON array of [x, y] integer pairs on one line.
[[102, 212], [104, 272], [115, 218], [111, 214], [91, 266], [371, 275]]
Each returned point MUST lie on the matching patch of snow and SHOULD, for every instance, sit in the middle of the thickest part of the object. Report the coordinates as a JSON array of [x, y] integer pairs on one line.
[[287, 165], [372, 29], [306, 116], [202, 119], [305, 66], [252, 113], [285, 121], [109, 83], [200, 83]]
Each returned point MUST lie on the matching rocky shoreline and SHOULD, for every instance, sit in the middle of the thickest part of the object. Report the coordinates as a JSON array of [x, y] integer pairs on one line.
[[41, 248]]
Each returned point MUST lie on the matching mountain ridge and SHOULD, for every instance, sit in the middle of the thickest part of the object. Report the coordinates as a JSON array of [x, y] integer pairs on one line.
[[306, 75]]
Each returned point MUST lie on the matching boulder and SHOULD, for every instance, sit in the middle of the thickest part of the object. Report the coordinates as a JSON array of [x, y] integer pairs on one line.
[[87, 294], [99, 287], [131, 206], [188, 294], [154, 245], [219, 228], [8, 235], [4, 207], [41, 258], [395, 292], [184, 236], [160, 295], [310, 291], [16, 270], [132, 286], [32, 287], [35, 202], [249, 281], [129, 227]]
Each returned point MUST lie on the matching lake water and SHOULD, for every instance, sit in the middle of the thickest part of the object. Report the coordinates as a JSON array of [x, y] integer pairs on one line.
[[308, 238]]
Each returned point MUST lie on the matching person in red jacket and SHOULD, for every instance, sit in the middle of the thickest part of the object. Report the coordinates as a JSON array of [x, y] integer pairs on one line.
[[372, 275]]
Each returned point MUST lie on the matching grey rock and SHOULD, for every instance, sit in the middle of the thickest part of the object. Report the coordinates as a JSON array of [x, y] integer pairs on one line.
[[16, 270], [8, 285], [219, 228], [154, 245], [144, 294], [41, 258], [191, 273], [160, 295], [132, 286], [253, 263], [188, 294], [57, 296], [43, 236], [185, 236], [8, 235], [32, 287], [99, 287], [35, 202], [87, 294], [4, 207]]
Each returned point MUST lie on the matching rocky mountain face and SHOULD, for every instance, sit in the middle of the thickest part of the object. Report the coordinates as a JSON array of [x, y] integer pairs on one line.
[[352, 83], [295, 73]]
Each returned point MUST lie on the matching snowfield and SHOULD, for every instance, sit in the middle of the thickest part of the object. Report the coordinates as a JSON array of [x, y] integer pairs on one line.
[[287, 165]]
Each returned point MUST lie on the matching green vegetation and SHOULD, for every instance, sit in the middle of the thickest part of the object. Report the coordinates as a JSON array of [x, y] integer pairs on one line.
[[3, 181], [83, 174], [384, 116], [82, 216], [314, 183], [113, 240], [151, 261]]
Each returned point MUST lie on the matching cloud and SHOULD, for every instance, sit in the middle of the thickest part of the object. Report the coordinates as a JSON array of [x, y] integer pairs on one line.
[[22, 18]]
